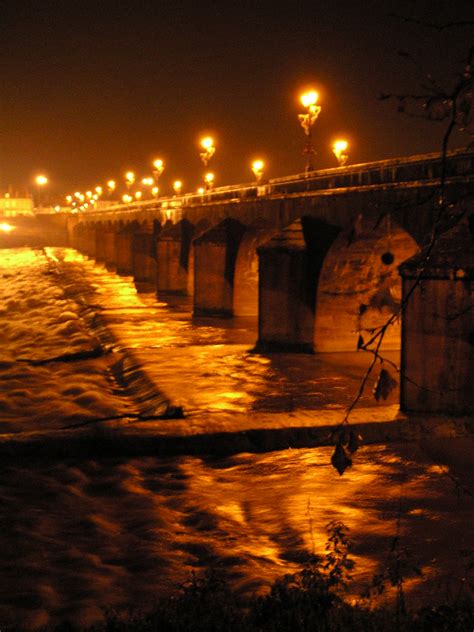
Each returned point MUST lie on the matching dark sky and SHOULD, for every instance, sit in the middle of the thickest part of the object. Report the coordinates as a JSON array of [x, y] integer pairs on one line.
[[91, 88]]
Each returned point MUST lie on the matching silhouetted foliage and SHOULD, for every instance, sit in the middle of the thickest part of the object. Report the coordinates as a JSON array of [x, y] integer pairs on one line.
[[453, 106]]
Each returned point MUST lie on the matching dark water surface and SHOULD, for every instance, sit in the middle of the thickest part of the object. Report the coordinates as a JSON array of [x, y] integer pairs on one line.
[[82, 536]]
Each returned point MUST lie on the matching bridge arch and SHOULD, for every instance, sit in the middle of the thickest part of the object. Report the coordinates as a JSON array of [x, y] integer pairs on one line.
[[246, 278], [359, 285]]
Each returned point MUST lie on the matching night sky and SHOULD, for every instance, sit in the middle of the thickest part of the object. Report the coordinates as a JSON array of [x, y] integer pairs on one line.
[[92, 88]]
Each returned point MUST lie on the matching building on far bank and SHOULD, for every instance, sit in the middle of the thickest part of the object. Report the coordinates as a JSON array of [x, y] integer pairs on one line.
[[14, 206]]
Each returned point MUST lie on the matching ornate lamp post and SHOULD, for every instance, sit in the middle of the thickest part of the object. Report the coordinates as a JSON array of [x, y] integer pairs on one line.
[[129, 179], [257, 168], [207, 143], [41, 181], [307, 120], [338, 148], [158, 167], [209, 180], [111, 185]]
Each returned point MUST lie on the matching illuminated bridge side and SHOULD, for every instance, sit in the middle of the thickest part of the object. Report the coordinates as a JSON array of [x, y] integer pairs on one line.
[[315, 257]]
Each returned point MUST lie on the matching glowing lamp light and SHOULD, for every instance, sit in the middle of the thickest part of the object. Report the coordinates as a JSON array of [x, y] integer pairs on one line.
[[69, 199], [138, 195], [200, 190], [89, 194], [41, 180], [5, 227], [177, 186], [207, 143], [98, 190], [257, 168], [126, 198], [339, 148], [155, 191], [111, 185], [309, 98], [147, 182]]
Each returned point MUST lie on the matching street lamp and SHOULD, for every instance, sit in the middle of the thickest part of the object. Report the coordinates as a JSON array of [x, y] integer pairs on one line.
[[155, 191], [158, 167], [41, 181], [177, 186], [129, 179], [307, 120], [338, 148], [207, 143], [209, 180], [257, 168]]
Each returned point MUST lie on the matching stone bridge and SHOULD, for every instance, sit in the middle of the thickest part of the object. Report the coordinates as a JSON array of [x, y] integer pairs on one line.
[[320, 258]]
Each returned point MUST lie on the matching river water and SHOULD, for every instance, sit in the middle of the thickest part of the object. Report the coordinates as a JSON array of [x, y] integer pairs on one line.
[[80, 536]]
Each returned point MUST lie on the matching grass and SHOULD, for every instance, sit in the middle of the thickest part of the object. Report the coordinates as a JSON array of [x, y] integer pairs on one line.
[[311, 599]]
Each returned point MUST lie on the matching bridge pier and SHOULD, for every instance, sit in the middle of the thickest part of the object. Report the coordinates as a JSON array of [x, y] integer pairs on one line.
[[144, 253], [173, 249], [437, 327], [79, 237], [109, 237], [289, 266], [215, 253], [88, 242], [99, 241], [123, 247]]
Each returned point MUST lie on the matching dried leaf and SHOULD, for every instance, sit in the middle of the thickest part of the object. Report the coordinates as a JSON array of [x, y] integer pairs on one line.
[[339, 460], [385, 385]]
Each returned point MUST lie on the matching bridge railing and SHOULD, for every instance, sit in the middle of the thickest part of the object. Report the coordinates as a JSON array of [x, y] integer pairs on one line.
[[425, 167]]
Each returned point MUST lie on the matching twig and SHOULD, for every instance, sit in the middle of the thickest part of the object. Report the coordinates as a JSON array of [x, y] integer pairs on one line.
[[432, 25]]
